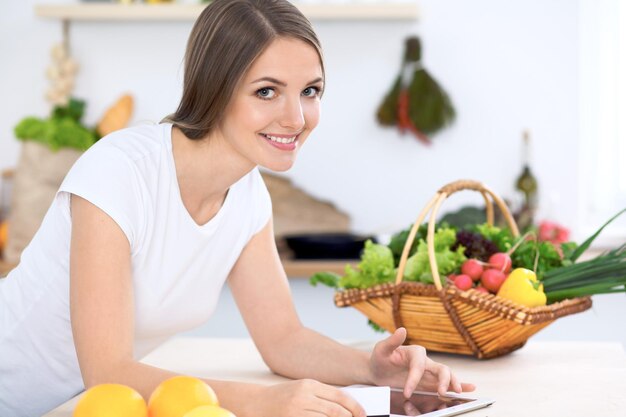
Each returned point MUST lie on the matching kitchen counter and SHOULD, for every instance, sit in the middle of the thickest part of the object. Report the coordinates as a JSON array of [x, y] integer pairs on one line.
[[541, 379]]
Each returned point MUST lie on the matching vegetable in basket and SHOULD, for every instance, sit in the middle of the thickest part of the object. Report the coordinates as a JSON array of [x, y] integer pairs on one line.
[[523, 252], [418, 266], [522, 287], [434, 307], [399, 239], [476, 245], [554, 265], [562, 277], [603, 274], [376, 267]]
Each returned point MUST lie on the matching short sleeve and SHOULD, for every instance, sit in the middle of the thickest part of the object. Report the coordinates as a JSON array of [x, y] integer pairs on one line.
[[263, 204], [106, 177]]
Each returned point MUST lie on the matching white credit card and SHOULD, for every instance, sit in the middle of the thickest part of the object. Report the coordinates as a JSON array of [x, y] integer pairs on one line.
[[374, 400]]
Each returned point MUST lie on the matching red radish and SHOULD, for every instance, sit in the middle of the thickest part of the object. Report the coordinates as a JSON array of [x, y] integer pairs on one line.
[[482, 289], [492, 279], [501, 261], [472, 268], [463, 282], [452, 277]]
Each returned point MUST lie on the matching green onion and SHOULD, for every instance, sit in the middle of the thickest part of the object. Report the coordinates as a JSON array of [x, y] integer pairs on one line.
[[585, 245], [603, 274], [614, 280], [582, 291]]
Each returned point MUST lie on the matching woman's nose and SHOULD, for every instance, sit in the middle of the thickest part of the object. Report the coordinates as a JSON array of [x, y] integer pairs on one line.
[[293, 116]]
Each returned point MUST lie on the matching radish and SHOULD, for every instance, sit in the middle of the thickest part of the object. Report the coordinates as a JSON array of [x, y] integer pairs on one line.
[[501, 261], [463, 282], [492, 279], [482, 289], [472, 268]]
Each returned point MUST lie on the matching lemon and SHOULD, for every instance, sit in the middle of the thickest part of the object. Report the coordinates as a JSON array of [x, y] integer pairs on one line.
[[176, 396], [108, 400]]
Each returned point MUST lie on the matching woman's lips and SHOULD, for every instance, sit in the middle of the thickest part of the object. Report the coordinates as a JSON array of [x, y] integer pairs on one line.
[[282, 142]]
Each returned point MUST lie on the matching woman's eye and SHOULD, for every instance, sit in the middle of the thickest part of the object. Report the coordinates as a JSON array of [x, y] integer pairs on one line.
[[265, 93], [310, 92]]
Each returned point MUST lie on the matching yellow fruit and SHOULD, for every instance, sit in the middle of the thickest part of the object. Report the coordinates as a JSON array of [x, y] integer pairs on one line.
[[178, 395], [117, 116], [108, 400], [209, 411]]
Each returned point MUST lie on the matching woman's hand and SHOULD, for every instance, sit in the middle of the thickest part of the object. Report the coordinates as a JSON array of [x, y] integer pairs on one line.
[[304, 398], [396, 365]]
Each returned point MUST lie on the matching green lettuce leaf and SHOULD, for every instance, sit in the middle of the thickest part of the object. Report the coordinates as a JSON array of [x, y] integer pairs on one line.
[[418, 266], [376, 267]]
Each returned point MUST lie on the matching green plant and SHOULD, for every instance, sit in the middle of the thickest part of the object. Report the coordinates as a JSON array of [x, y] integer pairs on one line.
[[63, 129]]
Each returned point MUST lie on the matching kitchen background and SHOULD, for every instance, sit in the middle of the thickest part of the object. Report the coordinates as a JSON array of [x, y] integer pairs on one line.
[[552, 67]]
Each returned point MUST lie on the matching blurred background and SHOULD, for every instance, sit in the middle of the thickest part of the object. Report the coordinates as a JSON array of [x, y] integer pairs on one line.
[[553, 68]]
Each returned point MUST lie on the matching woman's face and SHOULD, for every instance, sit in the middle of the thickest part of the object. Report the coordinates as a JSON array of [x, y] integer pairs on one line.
[[276, 105]]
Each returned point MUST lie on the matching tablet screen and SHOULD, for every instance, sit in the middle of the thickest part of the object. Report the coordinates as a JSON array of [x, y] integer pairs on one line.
[[421, 403]]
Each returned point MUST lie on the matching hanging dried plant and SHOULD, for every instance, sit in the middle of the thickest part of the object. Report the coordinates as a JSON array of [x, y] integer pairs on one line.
[[416, 102]]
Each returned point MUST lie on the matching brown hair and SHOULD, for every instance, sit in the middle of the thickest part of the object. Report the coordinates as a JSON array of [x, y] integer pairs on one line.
[[227, 37]]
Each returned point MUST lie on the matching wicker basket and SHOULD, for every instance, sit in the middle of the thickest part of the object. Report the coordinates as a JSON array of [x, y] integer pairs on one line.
[[446, 319]]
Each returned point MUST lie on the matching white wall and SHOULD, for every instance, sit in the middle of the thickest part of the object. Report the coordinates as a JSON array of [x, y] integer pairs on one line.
[[507, 66]]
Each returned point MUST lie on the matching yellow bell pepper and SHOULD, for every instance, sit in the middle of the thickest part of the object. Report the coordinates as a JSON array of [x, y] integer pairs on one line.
[[522, 287]]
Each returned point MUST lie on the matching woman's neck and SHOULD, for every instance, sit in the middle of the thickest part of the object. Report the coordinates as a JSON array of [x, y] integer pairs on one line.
[[205, 171]]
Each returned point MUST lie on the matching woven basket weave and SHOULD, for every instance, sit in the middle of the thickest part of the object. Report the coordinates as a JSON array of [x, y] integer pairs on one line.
[[446, 319]]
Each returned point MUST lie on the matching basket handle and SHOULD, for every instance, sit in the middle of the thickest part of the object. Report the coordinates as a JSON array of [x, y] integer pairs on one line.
[[434, 204]]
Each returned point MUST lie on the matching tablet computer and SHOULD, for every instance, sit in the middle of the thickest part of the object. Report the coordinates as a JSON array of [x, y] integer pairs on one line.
[[432, 404]]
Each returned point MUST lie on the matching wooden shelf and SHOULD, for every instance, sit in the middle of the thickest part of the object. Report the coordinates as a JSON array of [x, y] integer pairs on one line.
[[305, 268], [189, 12], [301, 269]]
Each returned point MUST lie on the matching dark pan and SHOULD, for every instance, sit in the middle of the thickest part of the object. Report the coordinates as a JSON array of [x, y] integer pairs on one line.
[[326, 245]]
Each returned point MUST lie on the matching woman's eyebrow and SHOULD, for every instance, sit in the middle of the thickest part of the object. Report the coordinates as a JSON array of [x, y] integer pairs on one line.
[[270, 79], [282, 84]]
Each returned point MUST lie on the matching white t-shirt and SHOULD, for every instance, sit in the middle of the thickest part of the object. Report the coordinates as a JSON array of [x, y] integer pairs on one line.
[[179, 267]]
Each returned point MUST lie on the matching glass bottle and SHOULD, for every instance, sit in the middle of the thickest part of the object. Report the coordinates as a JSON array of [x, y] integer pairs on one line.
[[527, 184]]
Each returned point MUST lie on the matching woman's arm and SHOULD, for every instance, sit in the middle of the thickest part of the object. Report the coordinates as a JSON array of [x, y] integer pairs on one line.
[[261, 290], [101, 302], [102, 316]]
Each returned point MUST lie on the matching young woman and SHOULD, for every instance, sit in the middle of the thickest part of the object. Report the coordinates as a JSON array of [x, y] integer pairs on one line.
[[152, 220]]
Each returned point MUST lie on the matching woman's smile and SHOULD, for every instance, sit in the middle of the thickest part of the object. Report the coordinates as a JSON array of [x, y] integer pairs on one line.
[[283, 142]]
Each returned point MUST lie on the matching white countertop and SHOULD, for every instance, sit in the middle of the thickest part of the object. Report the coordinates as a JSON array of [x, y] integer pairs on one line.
[[541, 379]]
